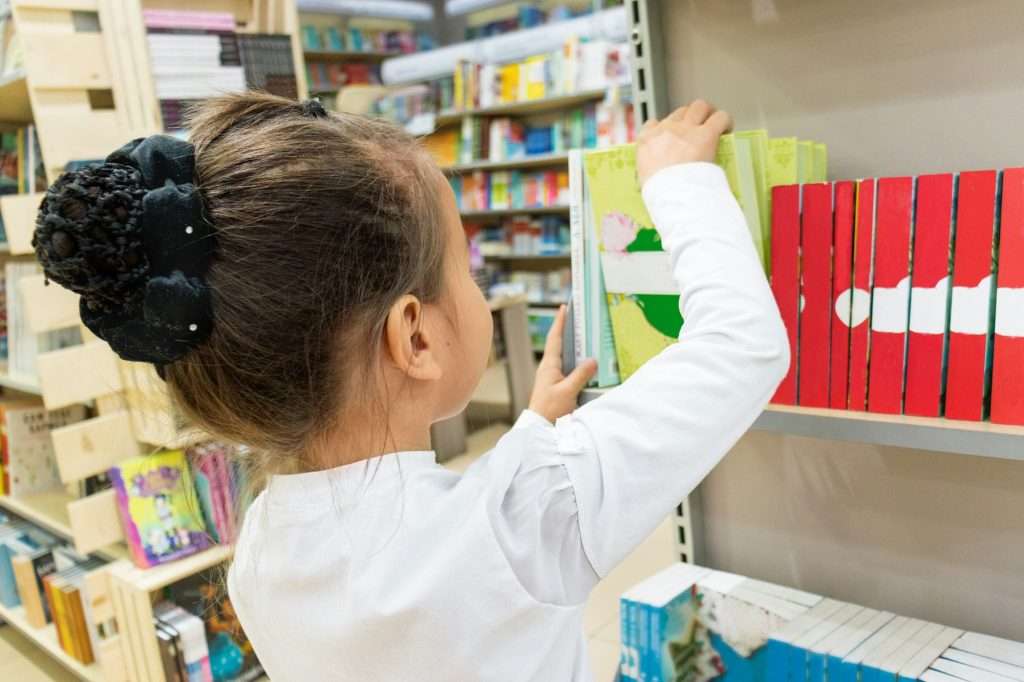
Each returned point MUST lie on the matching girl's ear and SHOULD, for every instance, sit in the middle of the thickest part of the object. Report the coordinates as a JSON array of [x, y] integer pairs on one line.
[[408, 344]]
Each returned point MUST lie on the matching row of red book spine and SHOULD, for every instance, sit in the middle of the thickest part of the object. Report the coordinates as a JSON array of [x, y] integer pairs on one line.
[[892, 298]]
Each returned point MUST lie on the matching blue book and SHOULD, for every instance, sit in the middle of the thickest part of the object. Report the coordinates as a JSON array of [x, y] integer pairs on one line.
[[831, 631], [850, 668], [932, 651], [780, 644], [799, 660], [889, 669], [972, 666], [334, 39], [856, 632], [871, 669], [995, 648]]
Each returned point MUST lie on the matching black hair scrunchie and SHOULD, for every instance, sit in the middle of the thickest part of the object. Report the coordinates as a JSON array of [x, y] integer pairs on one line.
[[130, 236]]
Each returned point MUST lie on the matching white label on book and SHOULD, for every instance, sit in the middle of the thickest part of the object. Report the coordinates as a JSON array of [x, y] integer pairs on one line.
[[928, 308], [889, 308], [1009, 312], [969, 314], [853, 313], [640, 272]]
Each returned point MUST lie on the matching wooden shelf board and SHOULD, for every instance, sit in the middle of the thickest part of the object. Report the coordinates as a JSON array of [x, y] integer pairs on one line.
[[14, 101], [498, 213], [525, 107], [158, 577], [46, 639], [982, 439], [49, 510], [20, 383], [535, 161], [347, 55]]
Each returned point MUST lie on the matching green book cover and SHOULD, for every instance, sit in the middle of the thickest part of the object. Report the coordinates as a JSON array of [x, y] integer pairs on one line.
[[736, 159], [820, 162], [643, 299], [759, 156], [781, 163], [805, 171]]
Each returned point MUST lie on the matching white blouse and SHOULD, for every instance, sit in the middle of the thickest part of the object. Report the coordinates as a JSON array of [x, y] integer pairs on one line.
[[397, 569]]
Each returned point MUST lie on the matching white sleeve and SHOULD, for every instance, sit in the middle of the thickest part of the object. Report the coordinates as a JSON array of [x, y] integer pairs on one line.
[[633, 454]]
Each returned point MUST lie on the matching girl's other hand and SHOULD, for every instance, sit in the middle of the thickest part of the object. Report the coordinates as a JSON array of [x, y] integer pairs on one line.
[[555, 394], [686, 135]]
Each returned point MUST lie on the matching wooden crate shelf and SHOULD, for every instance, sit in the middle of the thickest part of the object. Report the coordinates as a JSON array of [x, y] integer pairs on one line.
[[46, 639], [15, 108], [49, 510]]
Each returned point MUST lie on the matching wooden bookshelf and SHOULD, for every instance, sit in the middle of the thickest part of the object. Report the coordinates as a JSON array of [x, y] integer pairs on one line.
[[14, 102], [982, 439], [535, 161], [502, 212], [346, 55], [19, 382], [49, 510], [46, 639], [556, 257], [534, 106], [158, 577]]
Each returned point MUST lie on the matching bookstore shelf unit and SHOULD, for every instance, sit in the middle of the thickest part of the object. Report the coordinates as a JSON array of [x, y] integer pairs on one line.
[[87, 93], [875, 509], [534, 161], [536, 106]]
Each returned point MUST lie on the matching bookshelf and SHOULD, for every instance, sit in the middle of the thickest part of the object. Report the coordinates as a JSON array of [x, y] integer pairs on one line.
[[49, 510], [22, 384], [534, 106], [523, 257], [876, 510], [535, 161], [503, 212], [346, 56], [46, 639]]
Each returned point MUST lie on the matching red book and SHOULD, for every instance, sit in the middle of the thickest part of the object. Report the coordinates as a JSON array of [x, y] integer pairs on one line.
[[929, 295], [860, 298], [890, 295], [969, 315], [786, 277], [842, 294], [815, 293], [1008, 354]]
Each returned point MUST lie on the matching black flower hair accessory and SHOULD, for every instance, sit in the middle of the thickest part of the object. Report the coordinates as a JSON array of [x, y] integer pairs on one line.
[[130, 236]]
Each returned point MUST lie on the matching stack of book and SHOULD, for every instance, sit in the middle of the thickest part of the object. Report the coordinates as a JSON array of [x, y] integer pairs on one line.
[[504, 190], [693, 623], [197, 55], [52, 585], [520, 236], [577, 67], [24, 346], [902, 295], [625, 302], [216, 481], [358, 39], [332, 76]]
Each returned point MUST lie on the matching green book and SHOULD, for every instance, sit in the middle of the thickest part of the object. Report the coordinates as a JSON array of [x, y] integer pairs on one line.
[[805, 162], [781, 164], [759, 156], [736, 159], [820, 162]]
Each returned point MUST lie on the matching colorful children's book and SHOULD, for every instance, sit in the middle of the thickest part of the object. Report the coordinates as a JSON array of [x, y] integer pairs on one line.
[[815, 293], [1008, 346], [970, 318], [785, 279], [890, 297], [643, 298], [159, 509], [929, 295], [860, 294], [842, 286], [27, 454]]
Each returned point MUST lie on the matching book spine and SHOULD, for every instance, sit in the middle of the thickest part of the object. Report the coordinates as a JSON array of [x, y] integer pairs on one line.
[[890, 296], [815, 293], [1008, 353], [860, 296], [577, 255], [970, 320], [929, 295], [842, 290], [785, 279]]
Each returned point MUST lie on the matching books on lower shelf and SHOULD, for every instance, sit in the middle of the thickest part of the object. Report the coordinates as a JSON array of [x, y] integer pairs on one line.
[[623, 288], [901, 295], [519, 236], [21, 165], [694, 623], [53, 585], [514, 189]]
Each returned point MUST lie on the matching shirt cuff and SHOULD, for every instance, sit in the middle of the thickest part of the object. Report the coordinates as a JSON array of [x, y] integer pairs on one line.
[[530, 418]]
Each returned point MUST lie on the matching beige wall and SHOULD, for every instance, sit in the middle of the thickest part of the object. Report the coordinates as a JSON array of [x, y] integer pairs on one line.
[[892, 87]]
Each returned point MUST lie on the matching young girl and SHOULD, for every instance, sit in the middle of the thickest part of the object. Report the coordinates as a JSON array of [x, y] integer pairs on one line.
[[301, 281]]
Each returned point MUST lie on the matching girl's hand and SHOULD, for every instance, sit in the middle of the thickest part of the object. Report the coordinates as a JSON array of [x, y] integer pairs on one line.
[[688, 134], [554, 394]]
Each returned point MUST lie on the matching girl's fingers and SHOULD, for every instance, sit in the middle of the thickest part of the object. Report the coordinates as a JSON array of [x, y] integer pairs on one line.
[[581, 376], [553, 343], [677, 115], [719, 122], [697, 112]]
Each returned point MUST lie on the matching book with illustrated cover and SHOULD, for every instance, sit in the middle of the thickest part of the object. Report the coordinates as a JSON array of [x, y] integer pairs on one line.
[[159, 508]]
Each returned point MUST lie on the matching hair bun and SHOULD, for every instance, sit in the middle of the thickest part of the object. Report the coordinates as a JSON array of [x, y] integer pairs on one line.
[[88, 236]]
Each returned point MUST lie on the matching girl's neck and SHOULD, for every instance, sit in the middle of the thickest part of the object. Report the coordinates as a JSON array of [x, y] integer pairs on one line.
[[358, 439]]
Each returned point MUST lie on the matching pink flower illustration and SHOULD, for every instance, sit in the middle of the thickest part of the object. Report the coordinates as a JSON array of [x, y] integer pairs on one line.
[[617, 231]]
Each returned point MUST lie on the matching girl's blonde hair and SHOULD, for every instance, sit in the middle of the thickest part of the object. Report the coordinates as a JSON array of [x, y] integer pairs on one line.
[[322, 223]]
